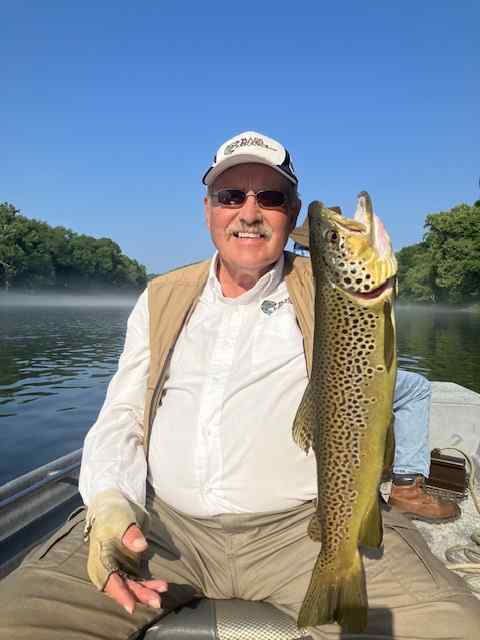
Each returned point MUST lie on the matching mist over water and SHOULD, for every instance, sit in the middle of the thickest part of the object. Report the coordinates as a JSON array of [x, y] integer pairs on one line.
[[433, 309], [99, 299], [58, 353]]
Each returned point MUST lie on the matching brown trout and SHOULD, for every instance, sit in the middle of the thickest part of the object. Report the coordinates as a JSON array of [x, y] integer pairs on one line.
[[346, 411]]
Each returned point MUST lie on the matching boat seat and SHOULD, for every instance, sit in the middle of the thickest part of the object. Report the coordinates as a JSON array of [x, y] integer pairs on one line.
[[235, 619]]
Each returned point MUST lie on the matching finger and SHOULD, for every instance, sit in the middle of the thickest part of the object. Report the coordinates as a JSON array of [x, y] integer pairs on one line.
[[144, 595], [134, 539], [118, 590], [156, 585]]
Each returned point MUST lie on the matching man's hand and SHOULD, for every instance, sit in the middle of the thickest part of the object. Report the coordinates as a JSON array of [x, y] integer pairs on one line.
[[126, 591], [116, 545]]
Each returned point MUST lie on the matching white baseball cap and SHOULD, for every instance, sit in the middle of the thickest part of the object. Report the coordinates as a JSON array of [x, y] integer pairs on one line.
[[251, 146]]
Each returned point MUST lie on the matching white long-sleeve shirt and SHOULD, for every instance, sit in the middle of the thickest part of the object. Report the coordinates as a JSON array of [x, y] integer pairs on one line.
[[221, 441]]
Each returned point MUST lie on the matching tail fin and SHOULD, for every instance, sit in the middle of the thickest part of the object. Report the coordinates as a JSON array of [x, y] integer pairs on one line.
[[336, 596]]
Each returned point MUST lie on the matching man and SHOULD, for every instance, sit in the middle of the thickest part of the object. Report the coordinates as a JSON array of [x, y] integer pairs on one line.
[[197, 426], [411, 409]]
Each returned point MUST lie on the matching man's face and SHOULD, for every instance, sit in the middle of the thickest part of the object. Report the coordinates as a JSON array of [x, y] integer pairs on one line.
[[267, 229]]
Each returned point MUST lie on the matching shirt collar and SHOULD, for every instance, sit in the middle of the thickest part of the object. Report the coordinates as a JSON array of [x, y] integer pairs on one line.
[[264, 287]]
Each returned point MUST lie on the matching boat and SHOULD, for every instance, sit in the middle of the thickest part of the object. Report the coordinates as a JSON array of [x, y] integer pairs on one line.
[[34, 505]]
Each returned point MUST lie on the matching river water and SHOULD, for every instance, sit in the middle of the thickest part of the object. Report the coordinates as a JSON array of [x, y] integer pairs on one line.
[[56, 362]]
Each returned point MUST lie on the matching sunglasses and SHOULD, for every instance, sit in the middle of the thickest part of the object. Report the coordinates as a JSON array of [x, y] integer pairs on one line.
[[235, 198]]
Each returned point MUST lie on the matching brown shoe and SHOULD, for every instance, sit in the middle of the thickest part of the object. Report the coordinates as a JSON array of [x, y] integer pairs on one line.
[[409, 497]]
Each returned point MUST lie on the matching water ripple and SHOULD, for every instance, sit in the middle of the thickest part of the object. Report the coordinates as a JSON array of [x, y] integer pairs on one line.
[[56, 363]]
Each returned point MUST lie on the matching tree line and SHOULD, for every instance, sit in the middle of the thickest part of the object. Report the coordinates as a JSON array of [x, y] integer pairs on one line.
[[36, 256], [445, 266]]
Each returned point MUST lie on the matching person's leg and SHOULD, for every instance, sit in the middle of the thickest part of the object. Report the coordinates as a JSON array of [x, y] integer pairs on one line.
[[51, 597], [411, 408], [411, 594]]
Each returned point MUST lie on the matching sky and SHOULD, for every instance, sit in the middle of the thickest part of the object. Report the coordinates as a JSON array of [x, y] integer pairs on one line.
[[112, 111]]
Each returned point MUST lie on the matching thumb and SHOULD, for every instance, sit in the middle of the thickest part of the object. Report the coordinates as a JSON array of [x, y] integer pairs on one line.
[[134, 539]]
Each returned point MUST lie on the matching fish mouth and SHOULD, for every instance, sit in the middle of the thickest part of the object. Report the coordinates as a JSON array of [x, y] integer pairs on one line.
[[374, 293]]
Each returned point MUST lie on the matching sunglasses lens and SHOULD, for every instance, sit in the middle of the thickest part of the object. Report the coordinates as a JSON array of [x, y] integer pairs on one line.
[[231, 197], [236, 197], [271, 199]]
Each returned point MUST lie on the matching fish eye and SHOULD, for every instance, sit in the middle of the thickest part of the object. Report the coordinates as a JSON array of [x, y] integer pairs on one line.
[[331, 235]]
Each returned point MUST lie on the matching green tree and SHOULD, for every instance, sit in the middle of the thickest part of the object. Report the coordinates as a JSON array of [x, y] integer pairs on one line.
[[34, 255], [445, 267], [35, 267], [453, 238], [8, 250], [415, 273]]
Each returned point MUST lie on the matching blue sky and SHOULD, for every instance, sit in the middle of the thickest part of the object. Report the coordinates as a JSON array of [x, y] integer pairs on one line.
[[112, 111]]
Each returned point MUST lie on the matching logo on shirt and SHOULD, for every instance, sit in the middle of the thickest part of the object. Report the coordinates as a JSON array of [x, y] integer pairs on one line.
[[269, 306]]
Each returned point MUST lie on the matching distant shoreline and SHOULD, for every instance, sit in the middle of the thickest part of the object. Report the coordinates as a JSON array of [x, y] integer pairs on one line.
[[110, 298]]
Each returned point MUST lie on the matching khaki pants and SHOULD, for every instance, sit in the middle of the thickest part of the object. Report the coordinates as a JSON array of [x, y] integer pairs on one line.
[[250, 556]]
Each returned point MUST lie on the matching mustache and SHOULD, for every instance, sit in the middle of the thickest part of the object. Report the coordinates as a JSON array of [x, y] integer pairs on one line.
[[257, 228]]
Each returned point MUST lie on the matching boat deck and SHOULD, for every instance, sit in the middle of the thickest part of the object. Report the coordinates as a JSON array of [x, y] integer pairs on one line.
[[33, 505]]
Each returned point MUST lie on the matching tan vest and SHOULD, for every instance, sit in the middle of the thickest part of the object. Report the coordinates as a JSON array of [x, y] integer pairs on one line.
[[171, 301]]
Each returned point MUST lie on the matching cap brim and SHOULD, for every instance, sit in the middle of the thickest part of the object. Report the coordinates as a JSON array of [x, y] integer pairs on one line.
[[300, 236], [243, 158]]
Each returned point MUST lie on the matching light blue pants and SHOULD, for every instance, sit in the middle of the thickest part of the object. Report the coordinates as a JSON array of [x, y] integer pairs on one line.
[[411, 407]]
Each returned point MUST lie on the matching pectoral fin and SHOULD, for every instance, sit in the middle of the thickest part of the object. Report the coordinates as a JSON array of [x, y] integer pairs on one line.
[[303, 424], [371, 531]]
